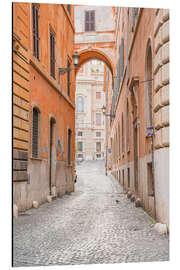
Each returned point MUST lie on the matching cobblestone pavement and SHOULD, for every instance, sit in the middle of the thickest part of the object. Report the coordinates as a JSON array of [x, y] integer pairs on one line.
[[88, 227]]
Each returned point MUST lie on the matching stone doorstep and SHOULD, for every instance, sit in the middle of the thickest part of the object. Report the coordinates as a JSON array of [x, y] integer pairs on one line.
[[161, 228]]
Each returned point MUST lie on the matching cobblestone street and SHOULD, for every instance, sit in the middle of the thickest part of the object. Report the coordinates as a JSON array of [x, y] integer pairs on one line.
[[87, 227]]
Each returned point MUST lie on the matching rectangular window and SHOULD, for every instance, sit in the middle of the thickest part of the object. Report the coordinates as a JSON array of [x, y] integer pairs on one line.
[[98, 95], [80, 133], [80, 146], [98, 155], [98, 134], [35, 14], [52, 54], [68, 78], [98, 119], [98, 146], [90, 20], [35, 131]]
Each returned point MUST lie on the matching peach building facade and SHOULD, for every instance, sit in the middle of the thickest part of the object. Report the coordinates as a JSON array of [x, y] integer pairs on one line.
[[140, 103], [44, 102]]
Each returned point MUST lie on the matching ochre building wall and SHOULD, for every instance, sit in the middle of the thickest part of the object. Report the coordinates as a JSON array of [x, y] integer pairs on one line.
[[50, 96]]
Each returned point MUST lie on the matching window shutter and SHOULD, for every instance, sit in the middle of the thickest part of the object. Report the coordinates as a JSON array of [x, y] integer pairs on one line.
[[52, 55], [68, 78], [34, 30], [92, 20], [35, 133], [37, 33], [87, 21], [127, 50], [132, 19], [53, 49]]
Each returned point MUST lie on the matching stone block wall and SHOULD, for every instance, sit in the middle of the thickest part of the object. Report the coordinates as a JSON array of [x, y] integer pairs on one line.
[[161, 78], [161, 114], [21, 88]]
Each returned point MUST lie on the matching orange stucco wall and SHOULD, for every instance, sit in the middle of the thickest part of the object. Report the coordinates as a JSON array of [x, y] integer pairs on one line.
[[39, 89]]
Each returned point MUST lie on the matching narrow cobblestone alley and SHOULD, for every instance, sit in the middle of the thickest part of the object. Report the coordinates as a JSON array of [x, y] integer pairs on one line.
[[87, 227]]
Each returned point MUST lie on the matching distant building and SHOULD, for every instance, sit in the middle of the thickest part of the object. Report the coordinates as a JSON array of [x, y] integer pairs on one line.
[[90, 121]]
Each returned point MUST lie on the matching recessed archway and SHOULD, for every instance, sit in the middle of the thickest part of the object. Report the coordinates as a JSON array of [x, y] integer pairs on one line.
[[89, 54]]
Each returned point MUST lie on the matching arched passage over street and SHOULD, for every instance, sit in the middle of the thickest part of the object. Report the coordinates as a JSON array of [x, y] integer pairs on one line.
[[89, 54]]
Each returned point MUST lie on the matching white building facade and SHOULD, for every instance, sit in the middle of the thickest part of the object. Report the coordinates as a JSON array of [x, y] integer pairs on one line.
[[90, 121]]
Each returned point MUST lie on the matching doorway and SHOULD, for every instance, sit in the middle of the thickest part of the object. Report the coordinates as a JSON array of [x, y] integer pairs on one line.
[[135, 155], [52, 156]]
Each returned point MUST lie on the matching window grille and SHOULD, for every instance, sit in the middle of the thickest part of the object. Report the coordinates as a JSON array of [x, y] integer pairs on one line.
[[35, 130]]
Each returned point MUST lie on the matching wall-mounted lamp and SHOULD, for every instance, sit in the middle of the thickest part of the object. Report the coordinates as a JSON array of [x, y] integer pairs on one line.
[[75, 62], [104, 112]]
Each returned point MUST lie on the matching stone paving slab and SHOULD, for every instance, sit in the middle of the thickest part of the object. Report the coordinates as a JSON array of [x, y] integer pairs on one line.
[[88, 227]]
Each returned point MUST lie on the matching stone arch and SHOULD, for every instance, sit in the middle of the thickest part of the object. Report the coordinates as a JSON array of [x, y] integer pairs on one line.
[[89, 54]]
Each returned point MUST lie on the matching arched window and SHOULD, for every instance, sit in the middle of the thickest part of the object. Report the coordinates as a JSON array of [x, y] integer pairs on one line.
[[80, 104], [148, 85], [35, 132]]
